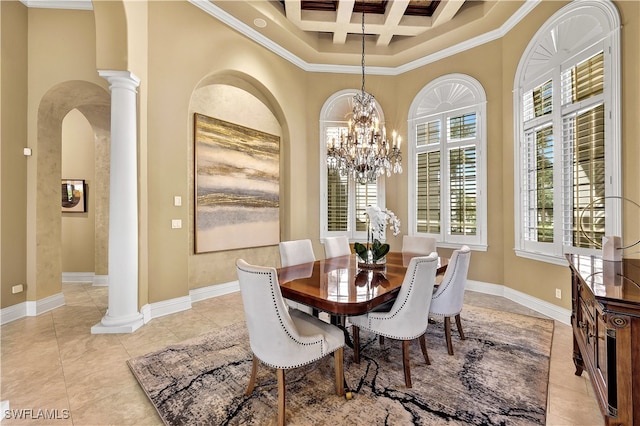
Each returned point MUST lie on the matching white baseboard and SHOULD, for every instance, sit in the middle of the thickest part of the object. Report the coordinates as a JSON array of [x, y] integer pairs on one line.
[[146, 313], [31, 308], [77, 277], [216, 290], [45, 305], [171, 306], [100, 280], [552, 311], [85, 277], [12, 313]]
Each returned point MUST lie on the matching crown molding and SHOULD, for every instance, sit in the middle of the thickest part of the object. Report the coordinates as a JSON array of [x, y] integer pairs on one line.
[[257, 37], [59, 4], [254, 35]]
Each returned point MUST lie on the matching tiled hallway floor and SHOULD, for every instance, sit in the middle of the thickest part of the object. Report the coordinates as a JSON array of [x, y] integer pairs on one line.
[[52, 362]]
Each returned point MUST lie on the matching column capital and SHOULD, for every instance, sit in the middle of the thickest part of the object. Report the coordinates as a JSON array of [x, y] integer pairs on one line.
[[120, 79]]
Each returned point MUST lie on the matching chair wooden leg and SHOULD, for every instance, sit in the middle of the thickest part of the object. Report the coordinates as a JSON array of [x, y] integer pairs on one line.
[[406, 363], [447, 333], [356, 344], [338, 360], [381, 339], [423, 346], [281, 396], [252, 379], [459, 324]]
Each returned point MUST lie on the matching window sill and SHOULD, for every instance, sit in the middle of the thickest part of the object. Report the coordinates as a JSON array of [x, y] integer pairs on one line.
[[473, 247], [542, 257]]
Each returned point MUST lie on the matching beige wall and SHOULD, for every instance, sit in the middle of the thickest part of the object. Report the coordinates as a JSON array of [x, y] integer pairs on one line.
[[78, 162], [531, 277], [193, 57], [189, 50], [13, 164], [62, 76], [227, 103]]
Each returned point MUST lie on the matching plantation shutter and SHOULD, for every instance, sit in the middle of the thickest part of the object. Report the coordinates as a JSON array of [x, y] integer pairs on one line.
[[543, 189], [428, 192], [366, 195], [538, 185], [428, 180], [583, 135], [462, 174], [538, 202], [462, 127], [585, 132], [337, 193], [588, 78], [463, 190]]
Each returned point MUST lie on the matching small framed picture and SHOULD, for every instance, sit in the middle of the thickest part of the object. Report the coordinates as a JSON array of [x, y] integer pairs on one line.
[[74, 198]]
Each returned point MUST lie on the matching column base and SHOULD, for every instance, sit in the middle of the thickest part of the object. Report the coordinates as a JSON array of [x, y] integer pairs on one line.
[[114, 326]]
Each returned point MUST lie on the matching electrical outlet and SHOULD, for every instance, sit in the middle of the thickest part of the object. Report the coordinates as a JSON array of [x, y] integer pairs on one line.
[[558, 293], [176, 223]]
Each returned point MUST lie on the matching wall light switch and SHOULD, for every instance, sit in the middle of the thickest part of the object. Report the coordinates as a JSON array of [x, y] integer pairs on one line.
[[176, 224], [177, 201], [27, 152]]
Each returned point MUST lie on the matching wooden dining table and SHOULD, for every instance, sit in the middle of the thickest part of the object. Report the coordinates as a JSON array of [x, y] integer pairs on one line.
[[340, 287]]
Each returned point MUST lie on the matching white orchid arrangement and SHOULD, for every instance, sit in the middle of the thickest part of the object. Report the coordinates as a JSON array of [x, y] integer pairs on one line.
[[377, 219]]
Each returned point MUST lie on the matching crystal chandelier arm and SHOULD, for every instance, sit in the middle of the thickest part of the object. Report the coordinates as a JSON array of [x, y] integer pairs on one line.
[[363, 154]]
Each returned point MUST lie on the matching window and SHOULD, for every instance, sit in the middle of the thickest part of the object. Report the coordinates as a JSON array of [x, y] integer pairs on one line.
[[446, 162], [567, 134], [343, 202]]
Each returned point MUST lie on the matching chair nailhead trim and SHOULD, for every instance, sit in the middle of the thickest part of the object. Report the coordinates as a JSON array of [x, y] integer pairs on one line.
[[275, 306], [413, 280]]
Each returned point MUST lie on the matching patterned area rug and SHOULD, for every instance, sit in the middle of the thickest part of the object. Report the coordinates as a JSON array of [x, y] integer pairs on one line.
[[498, 376]]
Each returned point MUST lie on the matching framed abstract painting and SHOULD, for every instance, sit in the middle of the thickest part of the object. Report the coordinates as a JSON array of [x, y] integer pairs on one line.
[[237, 185]]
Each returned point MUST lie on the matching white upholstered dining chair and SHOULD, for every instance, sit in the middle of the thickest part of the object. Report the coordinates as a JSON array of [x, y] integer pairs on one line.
[[407, 318], [448, 299], [296, 252], [282, 338], [336, 246], [418, 244]]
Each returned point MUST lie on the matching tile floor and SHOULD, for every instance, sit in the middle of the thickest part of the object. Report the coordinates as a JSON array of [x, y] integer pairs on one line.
[[52, 362]]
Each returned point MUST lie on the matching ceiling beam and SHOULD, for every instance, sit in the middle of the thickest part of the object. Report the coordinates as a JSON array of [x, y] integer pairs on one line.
[[343, 18], [393, 16]]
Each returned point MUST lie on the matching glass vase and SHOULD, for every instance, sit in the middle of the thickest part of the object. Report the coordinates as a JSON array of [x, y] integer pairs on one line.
[[369, 263]]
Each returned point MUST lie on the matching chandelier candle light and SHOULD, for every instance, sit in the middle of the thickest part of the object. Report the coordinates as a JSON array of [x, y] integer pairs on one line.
[[363, 153]]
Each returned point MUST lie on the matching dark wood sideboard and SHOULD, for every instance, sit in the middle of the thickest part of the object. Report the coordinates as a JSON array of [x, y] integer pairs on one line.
[[605, 316]]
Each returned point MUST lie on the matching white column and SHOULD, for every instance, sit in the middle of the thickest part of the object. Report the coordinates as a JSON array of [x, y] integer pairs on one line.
[[122, 315]]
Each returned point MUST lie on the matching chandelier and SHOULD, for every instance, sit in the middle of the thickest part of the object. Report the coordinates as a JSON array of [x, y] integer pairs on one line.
[[362, 152]]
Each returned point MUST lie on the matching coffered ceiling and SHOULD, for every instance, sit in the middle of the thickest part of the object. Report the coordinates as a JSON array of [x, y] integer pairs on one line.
[[385, 20], [398, 32]]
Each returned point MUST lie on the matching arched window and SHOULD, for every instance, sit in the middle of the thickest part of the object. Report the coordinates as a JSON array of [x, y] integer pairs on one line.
[[343, 202], [447, 164], [567, 133]]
